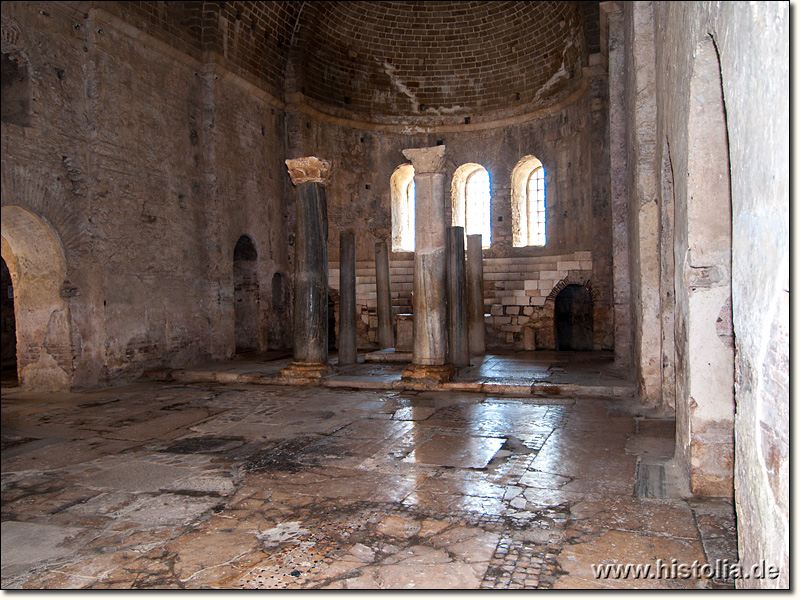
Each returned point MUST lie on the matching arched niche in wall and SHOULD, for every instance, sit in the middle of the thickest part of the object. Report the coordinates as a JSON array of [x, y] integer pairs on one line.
[[15, 83], [470, 201], [8, 328], [246, 295], [38, 268]]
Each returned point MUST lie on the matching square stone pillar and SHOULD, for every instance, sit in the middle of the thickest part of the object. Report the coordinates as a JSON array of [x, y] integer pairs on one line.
[[429, 356], [475, 308], [348, 332], [310, 348], [383, 282]]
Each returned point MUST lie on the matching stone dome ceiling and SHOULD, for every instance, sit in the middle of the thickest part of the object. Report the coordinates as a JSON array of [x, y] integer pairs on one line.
[[385, 61], [435, 59]]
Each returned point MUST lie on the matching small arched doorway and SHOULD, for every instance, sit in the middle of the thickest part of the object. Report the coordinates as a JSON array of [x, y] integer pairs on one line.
[[574, 322], [8, 336], [245, 295], [33, 253]]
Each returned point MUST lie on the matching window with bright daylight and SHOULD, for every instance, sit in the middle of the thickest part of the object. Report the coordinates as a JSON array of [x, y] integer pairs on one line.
[[528, 203], [471, 201], [403, 193]]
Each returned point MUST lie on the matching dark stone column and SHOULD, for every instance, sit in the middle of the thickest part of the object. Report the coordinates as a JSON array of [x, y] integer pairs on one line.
[[458, 347], [310, 175], [430, 282], [385, 330], [475, 308], [348, 334]]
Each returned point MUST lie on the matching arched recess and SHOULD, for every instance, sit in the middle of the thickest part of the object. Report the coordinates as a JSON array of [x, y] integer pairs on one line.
[[246, 295], [703, 315], [520, 210], [573, 319], [8, 328], [470, 201], [35, 258], [403, 208]]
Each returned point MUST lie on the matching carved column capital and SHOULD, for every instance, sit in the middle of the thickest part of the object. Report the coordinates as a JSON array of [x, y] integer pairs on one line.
[[309, 168], [426, 160]]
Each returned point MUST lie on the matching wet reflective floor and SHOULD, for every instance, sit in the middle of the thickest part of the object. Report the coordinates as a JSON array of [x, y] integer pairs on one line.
[[180, 485]]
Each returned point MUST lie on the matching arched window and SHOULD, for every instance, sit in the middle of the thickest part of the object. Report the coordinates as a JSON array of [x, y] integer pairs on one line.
[[471, 201], [528, 204], [404, 196]]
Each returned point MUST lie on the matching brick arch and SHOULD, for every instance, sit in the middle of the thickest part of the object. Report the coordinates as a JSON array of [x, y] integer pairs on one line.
[[583, 279]]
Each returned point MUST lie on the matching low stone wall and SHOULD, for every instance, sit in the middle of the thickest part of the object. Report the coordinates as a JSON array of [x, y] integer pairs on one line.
[[519, 293]]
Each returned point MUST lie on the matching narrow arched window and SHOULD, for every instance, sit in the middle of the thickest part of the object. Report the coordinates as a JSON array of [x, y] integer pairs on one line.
[[471, 201], [537, 221], [403, 192], [528, 203]]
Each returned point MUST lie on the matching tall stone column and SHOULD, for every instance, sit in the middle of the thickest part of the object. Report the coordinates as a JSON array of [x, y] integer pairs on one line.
[[310, 175], [475, 308], [348, 334], [385, 330], [456, 300], [429, 356]]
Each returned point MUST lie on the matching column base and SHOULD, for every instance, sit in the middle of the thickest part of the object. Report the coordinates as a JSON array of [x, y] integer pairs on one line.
[[304, 373], [440, 373]]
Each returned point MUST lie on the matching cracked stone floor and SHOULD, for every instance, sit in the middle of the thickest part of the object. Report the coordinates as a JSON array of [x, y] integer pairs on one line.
[[163, 485]]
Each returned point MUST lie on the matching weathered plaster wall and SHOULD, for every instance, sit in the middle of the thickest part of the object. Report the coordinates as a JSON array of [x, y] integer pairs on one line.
[[163, 165], [570, 141], [751, 40]]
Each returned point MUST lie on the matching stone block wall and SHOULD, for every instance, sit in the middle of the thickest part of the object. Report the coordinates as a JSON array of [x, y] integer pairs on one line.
[[519, 293]]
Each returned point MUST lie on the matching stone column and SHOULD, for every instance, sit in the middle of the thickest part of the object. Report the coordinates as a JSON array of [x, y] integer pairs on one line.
[[429, 357], [310, 175], [475, 309], [385, 330], [458, 347], [348, 334]]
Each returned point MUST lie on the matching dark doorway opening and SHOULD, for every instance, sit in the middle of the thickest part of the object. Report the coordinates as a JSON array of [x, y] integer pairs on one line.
[[245, 295], [573, 319], [9, 328]]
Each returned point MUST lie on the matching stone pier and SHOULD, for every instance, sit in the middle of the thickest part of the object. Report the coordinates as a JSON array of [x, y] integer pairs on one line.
[[348, 334], [458, 347], [429, 356], [475, 308], [385, 330], [310, 350]]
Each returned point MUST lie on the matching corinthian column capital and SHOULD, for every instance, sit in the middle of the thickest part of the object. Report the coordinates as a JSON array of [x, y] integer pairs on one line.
[[426, 160], [309, 168]]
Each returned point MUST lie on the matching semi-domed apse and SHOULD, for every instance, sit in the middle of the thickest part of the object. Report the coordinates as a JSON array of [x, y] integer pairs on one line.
[[437, 59], [410, 61]]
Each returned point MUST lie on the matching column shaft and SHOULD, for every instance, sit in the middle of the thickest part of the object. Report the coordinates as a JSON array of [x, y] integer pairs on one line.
[[385, 329], [311, 275], [475, 308], [430, 290], [348, 334], [456, 301]]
